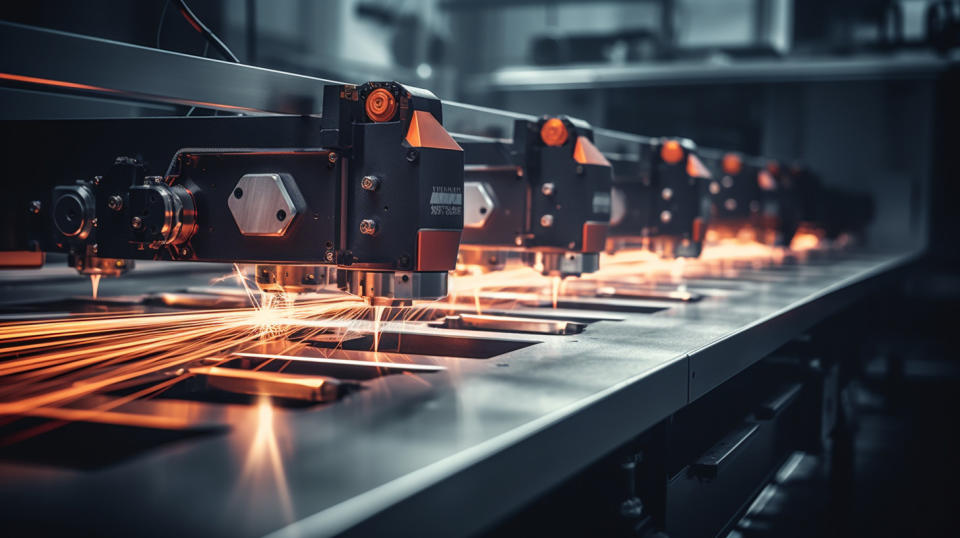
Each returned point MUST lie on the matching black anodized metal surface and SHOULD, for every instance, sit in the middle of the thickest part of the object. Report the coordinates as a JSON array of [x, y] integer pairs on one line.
[[39, 154]]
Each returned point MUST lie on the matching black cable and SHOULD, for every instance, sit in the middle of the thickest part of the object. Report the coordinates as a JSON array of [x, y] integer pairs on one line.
[[207, 34], [163, 17]]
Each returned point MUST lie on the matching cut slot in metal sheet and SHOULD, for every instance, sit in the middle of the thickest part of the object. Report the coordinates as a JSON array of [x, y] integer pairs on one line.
[[291, 386], [349, 362], [479, 322], [650, 293], [200, 300]]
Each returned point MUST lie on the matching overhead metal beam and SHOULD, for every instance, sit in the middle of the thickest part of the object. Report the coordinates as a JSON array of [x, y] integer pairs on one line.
[[63, 62], [54, 61]]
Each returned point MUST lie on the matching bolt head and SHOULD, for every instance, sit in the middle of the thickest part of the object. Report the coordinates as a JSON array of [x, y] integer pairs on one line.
[[332, 157], [35, 207], [666, 193], [548, 189], [665, 216], [136, 223], [328, 256], [370, 183], [368, 227], [546, 221], [115, 202]]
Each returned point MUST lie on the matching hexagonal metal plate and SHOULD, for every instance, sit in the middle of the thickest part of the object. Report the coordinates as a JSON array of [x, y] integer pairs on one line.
[[258, 202], [478, 204]]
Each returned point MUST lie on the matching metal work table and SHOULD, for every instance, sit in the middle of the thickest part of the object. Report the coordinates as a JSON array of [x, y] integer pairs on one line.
[[441, 453]]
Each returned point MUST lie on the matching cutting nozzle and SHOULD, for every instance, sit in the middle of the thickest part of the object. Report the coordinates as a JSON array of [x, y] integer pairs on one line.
[[563, 264], [393, 288]]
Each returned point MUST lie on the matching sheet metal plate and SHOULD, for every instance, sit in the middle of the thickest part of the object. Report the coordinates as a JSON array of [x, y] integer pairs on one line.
[[484, 434]]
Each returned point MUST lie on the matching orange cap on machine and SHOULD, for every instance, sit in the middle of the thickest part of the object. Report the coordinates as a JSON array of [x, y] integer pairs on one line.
[[732, 164], [671, 152], [553, 132], [380, 105]]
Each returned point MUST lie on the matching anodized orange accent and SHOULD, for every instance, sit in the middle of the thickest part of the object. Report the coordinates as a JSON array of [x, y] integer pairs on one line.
[[695, 167], [594, 236], [380, 105], [437, 249], [553, 132], [426, 132], [671, 152], [732, 164], [766, 181], [699, 226], [21, 259], [586, 153]]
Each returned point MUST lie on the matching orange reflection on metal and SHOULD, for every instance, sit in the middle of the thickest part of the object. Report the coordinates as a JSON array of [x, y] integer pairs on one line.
[[264, 477], [98, 89]]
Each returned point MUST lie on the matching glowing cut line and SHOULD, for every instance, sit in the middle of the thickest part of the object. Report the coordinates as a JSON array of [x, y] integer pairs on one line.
[[349, 362]]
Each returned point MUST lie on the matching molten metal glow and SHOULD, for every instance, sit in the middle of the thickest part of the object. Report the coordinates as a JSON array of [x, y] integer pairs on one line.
[[805, 241]]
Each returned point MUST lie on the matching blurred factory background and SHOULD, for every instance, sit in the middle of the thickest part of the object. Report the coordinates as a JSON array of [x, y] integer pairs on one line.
[[859, 90], [855, 89]]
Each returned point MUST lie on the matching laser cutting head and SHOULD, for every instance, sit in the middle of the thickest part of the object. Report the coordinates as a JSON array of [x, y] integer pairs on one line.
[[542, 199], [660, 202], [402, 182], [373, 188]]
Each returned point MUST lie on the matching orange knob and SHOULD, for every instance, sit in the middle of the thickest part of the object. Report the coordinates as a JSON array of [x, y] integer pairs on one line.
[[732, 164], [553, 132], [671, 152], [380, 105]]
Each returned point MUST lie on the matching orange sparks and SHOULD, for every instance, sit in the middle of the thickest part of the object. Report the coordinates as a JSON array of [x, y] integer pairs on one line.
[[72, 368]]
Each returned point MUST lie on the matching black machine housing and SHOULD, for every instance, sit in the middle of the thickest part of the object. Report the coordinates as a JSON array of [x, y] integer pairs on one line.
[[737, 192], [660, 205], [547, 205], [171, 189]]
